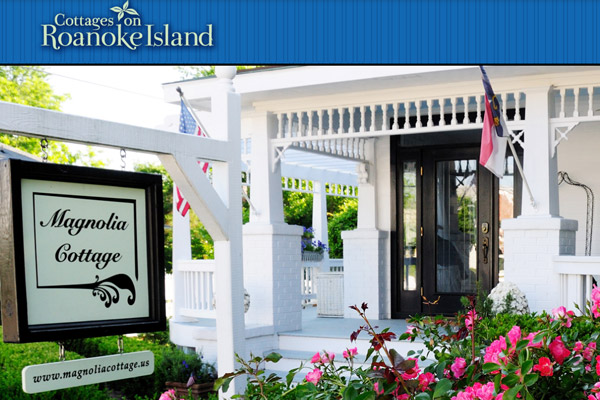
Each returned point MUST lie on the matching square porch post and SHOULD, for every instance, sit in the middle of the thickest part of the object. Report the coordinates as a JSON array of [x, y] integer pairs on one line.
[[272, 252], [539, 233], [367, 249], [226, 110]]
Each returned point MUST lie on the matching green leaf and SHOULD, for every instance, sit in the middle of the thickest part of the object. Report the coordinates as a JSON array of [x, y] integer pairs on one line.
[[511, 393], [273, 357], [526, 367], [530, 379], [423, 396], [497, 380], [367, 396], [350, 393], [510, 380], [441, 388], [539, 337], [490, 367], [521, 344]]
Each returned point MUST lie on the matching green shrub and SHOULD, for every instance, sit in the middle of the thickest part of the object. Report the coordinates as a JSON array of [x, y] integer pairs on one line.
[[15, 357], [150, 386]]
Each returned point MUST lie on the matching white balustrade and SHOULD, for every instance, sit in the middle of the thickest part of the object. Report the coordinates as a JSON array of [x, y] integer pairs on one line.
[[576, 101], [576, 276], [198, 277], [312, 265], [334, 129]]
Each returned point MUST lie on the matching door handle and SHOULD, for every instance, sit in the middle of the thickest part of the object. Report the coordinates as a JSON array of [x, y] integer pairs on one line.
[[486, 248]]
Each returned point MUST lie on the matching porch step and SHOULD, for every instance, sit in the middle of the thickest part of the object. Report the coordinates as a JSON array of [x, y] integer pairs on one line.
[[312, 344], [298, 347]]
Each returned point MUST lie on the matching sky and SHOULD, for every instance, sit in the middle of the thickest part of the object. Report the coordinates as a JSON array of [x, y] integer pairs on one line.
[[127, 94]]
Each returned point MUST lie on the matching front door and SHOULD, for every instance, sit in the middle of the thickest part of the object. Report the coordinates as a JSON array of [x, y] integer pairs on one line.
[[446, 241]]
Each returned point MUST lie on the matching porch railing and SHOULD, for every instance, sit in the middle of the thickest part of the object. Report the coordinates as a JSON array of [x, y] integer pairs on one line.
[[576, 277], [310, 269], [198, 281]]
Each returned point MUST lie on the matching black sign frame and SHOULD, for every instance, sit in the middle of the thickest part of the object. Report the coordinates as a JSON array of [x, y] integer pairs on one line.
[[16, 328]]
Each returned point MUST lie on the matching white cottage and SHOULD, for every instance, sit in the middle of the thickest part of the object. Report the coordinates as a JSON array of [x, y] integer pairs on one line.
[[432, 223]]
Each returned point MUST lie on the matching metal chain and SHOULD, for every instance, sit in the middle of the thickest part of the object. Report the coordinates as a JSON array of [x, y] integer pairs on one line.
[[61, 351], [120, 346], [44, 146], [123, 156], [589, 221]]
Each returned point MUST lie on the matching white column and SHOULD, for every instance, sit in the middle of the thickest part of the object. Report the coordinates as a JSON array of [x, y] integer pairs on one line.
[[539, 166], [539, 233], [319, 214], [272, 252], [266, 193], [366, 249], [226, 111]]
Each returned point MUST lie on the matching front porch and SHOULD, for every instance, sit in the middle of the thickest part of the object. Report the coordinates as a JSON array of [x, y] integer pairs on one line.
[[284, 126]]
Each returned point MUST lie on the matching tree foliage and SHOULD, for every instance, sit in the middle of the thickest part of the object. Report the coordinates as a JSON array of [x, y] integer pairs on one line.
[[344, 219], [191, 72], [28, 86]]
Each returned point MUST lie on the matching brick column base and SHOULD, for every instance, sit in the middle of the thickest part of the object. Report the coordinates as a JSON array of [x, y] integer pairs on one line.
[[529, 244], [366, 272], [272, 270]]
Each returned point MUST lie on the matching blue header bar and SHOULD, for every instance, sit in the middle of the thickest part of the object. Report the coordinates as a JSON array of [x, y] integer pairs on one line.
[[251, 32]]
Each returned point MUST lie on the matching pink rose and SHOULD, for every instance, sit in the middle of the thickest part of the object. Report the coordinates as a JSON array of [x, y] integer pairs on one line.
[[565, 316], [588, 353], [413, 372], [350, 353], [458, 367], [316, 358], [544, 367], [514, 335], [558, 350], [168, 395], [327, 357], [314, 376], [425, 380], [493, 350], [532, 336]]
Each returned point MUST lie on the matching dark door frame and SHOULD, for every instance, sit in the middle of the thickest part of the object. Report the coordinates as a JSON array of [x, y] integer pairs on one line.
[[401, 300]]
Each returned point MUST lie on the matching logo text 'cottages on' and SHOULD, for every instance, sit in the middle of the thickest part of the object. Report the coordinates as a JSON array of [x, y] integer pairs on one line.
[[149, 36]]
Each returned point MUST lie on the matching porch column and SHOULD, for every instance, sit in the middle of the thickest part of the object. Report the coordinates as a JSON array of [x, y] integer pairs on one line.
[[226, 111], [319, 216], [272, 251], [366, 249], [539, 232]]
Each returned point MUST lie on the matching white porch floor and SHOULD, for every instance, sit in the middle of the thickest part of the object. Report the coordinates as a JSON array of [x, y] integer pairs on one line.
[[341, 327]]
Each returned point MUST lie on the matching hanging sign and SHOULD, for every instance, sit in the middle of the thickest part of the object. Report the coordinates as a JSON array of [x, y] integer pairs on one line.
[[82, 252], [87, 371]]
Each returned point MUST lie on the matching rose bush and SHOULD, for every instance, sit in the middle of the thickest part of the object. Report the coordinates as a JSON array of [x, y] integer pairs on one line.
[[539, 357]]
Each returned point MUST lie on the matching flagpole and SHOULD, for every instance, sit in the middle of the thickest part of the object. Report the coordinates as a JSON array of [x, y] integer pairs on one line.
[[520, 168], [189, 107]]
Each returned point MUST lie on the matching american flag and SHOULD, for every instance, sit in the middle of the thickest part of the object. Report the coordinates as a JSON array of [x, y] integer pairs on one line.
[[187, 125]]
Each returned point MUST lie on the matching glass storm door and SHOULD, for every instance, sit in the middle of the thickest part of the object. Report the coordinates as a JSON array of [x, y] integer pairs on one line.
[[447, 230]]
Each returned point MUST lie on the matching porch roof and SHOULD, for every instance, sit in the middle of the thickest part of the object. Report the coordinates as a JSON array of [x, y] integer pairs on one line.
[[289, 82]]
